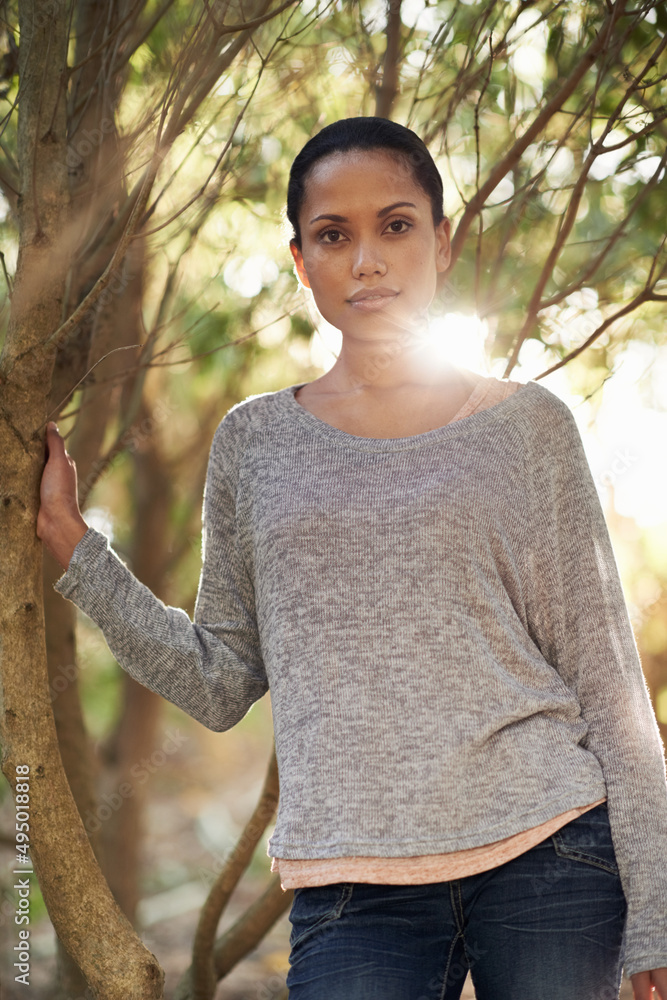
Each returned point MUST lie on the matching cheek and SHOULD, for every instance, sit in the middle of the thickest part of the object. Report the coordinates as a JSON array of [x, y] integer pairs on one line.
[[421, 268], [324, 268]]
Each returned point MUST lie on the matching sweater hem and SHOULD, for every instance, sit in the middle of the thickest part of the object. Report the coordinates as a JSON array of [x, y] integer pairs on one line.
[[322, 850], [645, 964]]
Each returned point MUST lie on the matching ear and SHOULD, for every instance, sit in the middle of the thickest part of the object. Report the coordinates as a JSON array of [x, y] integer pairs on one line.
[[443, 245], [298, 261]]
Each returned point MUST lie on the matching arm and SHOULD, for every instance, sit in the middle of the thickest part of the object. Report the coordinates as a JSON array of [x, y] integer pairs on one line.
[[579, 620], [212, 667]]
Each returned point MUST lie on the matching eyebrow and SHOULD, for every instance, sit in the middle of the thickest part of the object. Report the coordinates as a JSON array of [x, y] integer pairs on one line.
[[380, 214]]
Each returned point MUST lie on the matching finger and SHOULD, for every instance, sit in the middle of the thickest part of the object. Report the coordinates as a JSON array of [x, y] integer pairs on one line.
[[54, 442]]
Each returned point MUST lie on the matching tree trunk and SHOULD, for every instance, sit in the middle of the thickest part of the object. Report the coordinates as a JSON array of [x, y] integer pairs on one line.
[[84, 914], [75, 749]]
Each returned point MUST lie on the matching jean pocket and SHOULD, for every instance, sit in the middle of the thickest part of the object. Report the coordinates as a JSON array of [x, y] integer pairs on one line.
[[588, 839], [315, 906]]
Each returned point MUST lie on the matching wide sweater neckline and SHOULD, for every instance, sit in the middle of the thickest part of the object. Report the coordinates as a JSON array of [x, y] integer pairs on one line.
[[286, 398]]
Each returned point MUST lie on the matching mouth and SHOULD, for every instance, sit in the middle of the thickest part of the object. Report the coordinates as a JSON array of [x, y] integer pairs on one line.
[[371, 299]]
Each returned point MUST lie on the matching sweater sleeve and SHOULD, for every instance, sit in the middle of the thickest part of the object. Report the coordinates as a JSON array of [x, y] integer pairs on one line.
[[211, 668], [579, 619]]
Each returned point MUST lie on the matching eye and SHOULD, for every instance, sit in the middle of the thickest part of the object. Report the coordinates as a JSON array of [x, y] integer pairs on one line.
[[331, 236], [399, 226]]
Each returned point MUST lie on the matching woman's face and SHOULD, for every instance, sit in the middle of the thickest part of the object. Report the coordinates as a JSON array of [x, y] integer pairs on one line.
[[369, 250]]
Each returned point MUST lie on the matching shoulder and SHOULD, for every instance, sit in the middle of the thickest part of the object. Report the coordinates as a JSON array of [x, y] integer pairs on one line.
[[547, 431], [254, 413], [545, 401], [544, 414], [555, 453], [539, 420]]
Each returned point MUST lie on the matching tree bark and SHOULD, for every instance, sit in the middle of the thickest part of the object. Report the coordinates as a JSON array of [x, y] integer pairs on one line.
[[75, 749], [86, 918]]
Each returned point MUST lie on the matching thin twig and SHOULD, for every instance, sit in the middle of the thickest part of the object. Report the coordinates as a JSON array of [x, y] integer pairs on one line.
[[56, 409]]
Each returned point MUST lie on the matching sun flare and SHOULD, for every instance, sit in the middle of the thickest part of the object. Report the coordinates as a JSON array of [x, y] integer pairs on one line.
[[455, 338], [459, 339]]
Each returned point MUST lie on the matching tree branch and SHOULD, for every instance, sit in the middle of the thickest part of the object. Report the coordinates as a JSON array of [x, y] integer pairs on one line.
[[203, 966], [476, 204], [385, 93], [567, 223]]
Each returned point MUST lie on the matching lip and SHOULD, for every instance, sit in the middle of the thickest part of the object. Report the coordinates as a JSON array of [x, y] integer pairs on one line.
[[370, 299]]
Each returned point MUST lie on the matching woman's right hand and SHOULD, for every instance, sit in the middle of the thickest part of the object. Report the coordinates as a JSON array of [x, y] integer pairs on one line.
[[59, 521]]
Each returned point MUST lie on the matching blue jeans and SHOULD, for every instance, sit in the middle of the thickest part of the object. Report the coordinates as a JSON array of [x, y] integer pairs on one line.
[[546, 926]]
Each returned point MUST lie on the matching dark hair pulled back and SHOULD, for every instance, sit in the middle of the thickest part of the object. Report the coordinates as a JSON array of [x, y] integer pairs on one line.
[[370, 133]]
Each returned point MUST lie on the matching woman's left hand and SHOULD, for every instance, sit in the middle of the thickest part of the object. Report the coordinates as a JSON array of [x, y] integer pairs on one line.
[[650, 985]]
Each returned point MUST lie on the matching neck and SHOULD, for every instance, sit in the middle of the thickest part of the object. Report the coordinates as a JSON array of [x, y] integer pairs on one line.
[[388, 364]]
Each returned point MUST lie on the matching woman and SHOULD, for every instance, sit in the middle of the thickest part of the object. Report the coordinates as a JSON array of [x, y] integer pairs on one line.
[[413, 559]]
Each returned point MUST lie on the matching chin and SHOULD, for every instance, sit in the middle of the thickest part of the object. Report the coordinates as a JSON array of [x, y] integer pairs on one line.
[[384, 326]]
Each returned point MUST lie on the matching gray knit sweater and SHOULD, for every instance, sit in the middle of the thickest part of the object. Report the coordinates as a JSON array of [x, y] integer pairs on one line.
[[441, 624]]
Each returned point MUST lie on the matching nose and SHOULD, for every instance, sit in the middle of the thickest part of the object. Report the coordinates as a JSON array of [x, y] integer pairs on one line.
[[368, 260]]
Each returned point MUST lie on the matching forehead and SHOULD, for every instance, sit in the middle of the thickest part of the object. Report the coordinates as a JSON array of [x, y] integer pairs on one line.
[[361, 177]]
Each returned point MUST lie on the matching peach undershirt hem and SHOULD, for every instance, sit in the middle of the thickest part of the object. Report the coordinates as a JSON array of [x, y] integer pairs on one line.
[[426, 868]]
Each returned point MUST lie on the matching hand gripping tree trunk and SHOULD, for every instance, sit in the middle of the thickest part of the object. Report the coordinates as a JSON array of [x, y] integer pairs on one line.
[[84, 914]]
